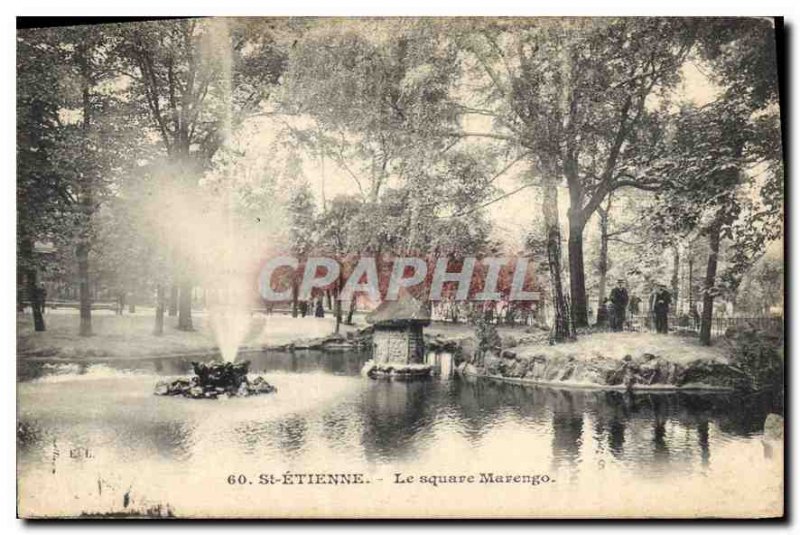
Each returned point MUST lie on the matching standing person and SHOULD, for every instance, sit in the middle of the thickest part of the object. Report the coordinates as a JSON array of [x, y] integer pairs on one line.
[[120, 303], [661, 301], [619, 303], [40, 298], [319, 312]]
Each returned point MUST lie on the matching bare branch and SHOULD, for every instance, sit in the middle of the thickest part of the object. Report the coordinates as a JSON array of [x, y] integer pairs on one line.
[[487, 203]]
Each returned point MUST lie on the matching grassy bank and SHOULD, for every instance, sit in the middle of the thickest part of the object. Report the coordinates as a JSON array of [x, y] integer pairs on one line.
[[677, 349], [131, 335]]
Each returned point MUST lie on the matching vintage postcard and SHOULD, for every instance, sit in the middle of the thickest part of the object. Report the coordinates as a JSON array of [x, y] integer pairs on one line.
[[400, 268]]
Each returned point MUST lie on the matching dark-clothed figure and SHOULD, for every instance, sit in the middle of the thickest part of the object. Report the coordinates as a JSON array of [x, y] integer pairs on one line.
[[661, 302], [40, 298], [619, 303], [319, 312]]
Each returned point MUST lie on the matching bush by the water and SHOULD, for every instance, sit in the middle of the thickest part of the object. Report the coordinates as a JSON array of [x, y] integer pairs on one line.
[[489, 341], [759, 355]]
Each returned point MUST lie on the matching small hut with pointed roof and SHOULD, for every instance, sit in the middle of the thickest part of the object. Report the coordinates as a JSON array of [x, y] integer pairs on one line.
[[397, 336]]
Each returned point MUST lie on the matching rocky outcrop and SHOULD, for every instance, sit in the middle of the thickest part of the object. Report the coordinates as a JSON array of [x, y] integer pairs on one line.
[[213, 380], [644, 371]]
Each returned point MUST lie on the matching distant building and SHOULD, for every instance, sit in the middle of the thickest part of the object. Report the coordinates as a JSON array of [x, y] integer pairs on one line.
[[398, 325]]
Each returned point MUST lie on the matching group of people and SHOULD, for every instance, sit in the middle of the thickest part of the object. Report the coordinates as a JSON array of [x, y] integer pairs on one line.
[[615, 309], [304, 306]]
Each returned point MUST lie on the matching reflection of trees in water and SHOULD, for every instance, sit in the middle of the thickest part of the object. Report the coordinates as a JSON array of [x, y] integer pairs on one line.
[[305, 361], [610, 424], [616, 436], [567, 428], [702, 441], [615, 415], [395, 413], [660, 448], [747, 413], [480, 403], [171, 366]]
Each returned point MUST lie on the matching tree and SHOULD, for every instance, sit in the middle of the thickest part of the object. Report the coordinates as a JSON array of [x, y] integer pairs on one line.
[[709, 192], [302, 237], [718, 154], [42, 193], [762, 288], [196, 80], [337, 237], [377, 105], [575, 95], [374, 96], [86, 146]]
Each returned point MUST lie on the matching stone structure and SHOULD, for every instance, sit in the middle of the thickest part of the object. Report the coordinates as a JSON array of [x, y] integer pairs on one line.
[[398, 347], [397, 336]]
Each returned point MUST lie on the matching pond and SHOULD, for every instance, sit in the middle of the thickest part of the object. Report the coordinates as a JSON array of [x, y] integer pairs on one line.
[[93, 439]]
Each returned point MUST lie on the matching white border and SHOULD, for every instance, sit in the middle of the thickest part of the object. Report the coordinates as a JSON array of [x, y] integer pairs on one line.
[[784, 8]]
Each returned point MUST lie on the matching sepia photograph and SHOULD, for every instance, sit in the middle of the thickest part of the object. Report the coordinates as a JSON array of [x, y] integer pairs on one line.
[[400, 268]]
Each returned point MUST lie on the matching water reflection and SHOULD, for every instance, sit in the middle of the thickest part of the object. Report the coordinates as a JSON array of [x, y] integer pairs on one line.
[[645, 428], [325, 409], [393, 414]]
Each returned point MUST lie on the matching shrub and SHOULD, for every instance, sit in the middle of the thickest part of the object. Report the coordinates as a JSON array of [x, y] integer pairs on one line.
[[759, 355], [489, 342]]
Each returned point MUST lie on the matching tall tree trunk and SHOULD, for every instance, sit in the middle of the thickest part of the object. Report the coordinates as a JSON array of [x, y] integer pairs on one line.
[[562, 329], [82, 253], [295, 296], [602, 264], [158, 330], [337, 305], [86, 203], [577, 276], [185, 306], [33, 295], [21, 285], [173, 300], [676, 266], [351, 310], [690, 287], [708, 287], [30, 280]]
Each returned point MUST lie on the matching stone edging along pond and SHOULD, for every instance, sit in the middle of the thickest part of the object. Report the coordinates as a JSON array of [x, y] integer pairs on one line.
[[646, 372]]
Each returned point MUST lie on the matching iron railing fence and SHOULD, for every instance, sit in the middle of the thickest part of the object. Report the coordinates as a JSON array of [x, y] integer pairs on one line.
[[685, 323]]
